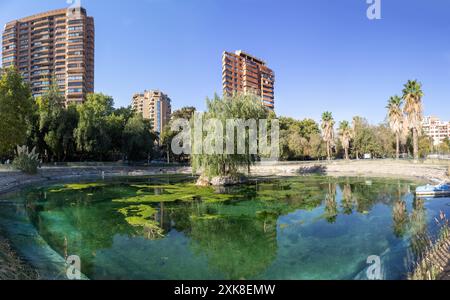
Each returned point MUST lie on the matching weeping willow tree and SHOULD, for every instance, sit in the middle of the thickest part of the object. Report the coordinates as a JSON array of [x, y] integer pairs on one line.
[[241, 113]]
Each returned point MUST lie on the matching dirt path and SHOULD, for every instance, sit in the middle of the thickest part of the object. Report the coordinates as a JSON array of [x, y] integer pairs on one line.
[[373, 168]]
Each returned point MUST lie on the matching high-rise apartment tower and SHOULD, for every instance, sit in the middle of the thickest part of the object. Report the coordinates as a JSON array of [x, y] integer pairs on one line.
[[154, 106], [244, 73], [54, 46]]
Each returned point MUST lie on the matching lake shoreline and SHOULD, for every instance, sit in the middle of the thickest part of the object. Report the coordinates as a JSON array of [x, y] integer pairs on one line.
[[430, 172], [13, 180]]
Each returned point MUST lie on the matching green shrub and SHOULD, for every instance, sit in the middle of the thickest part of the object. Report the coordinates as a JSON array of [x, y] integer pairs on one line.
[[26, 161]]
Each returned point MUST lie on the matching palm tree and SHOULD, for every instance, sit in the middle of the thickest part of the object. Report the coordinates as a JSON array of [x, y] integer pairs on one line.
[[328, 131], [345, 134], [395, 116], [412, 95]]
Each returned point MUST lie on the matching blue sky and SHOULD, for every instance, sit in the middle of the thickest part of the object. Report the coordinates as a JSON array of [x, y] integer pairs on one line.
[[326, 54]]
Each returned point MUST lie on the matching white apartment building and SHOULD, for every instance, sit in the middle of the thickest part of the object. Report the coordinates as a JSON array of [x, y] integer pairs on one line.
[[436, 129]]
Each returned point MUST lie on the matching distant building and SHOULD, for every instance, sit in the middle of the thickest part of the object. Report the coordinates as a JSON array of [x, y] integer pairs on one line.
[[55, 45], [154, 106], [243, 73], [436, 129]]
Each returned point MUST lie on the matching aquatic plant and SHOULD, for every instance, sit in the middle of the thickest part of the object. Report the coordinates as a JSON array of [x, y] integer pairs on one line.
[[169, 193], [290, 191], [76, 187], [136, 214], [205, 217], [139, 216], [436, 256], [418, 227]]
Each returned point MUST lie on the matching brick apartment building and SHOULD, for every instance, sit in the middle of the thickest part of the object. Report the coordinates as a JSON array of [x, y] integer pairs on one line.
[[244, 73], [58, 46]]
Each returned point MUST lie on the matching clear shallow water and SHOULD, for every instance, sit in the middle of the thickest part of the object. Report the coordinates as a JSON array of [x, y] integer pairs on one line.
[[165, 228]]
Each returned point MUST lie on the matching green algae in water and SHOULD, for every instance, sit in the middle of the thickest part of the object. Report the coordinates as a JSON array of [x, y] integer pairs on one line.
[[170, 193], [311, 227], [76, 187], [139, 216]]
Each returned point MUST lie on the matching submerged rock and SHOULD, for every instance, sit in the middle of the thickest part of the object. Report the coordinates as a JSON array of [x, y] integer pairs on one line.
[[203, 181]]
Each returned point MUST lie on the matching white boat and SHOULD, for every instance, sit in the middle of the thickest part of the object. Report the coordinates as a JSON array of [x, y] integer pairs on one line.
[[442, 189]]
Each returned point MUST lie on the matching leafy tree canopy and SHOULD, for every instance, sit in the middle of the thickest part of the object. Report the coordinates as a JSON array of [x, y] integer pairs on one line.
[[16, 106]]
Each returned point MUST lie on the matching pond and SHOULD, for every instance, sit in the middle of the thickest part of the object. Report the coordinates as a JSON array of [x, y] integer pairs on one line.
[[308, 227]]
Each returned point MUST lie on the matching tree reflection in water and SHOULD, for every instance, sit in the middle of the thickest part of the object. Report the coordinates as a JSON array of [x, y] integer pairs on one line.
[[331, 208], [348, 199], [400, 218], [400, 213]]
